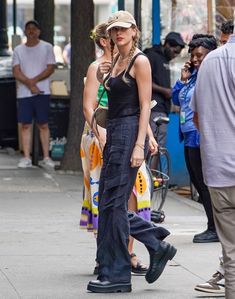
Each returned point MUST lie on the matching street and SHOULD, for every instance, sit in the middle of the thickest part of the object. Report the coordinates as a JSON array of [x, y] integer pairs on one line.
[[44, 254]]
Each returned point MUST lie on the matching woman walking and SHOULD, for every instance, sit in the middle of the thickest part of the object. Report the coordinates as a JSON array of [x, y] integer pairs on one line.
[[92, 145], [128, 83]]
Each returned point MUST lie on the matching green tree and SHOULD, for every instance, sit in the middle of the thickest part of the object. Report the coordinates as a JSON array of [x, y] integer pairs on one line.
[[82, 22]]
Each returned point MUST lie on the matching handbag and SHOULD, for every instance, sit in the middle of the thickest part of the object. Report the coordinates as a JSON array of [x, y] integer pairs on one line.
[[100, 114]]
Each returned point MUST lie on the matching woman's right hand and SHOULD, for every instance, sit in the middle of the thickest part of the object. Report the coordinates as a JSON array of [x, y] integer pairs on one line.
[[104, 67], [185, 74], [153, 146]]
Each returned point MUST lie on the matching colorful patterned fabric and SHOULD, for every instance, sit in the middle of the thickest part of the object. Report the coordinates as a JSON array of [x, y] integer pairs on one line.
[[92, 164]]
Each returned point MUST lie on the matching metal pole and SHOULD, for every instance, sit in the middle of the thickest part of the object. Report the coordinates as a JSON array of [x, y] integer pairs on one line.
[[156, 22], [36, 145], [3, 31], [15, 39], [14, 17], [121, 4], [137, 12]]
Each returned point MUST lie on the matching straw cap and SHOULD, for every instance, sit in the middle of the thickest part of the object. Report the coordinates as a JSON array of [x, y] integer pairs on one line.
[[121, 18]]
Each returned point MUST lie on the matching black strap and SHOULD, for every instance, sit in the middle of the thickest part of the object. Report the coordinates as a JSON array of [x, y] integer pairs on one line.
[[133, 60]]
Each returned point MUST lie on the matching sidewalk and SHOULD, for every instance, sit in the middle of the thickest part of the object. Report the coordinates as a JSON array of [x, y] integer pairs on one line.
[[44, 254]]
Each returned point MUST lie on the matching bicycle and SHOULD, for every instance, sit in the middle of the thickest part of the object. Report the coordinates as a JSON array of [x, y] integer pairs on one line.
[[158, 168]]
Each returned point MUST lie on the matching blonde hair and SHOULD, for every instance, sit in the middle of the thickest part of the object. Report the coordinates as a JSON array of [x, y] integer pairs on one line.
[[99, 32], [135, 44]]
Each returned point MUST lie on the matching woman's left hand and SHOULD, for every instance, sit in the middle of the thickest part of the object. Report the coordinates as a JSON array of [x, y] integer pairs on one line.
[[137, 157]]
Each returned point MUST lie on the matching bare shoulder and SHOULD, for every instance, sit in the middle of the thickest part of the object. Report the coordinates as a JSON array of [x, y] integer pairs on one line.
[[141, 60], [93, 67], [141, 67]]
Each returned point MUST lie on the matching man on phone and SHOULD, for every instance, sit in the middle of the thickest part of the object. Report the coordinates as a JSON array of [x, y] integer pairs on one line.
[[159, 57], [33, 63]]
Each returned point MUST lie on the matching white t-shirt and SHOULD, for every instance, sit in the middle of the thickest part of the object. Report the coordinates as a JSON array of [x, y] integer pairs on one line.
[[33, 61]]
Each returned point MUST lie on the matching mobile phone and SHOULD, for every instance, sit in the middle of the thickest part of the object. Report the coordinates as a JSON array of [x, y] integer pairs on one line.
[[191, 69]]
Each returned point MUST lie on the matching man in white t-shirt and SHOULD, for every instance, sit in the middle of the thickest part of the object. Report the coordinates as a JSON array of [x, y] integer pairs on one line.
[[33, 63]]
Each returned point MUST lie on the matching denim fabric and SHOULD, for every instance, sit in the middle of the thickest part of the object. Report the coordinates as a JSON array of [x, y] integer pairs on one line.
[[116, 183]]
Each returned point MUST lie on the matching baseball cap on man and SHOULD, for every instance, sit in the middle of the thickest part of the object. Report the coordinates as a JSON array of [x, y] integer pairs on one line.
[[176, 38], [34, 22], [121, 18]]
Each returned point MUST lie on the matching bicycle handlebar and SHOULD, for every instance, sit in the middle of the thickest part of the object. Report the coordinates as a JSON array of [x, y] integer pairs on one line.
[[161, 120]]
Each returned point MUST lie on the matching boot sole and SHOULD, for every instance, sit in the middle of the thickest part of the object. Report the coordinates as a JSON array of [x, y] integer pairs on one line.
[[117, 288], [206, 241], [204, 290], [171, 252]]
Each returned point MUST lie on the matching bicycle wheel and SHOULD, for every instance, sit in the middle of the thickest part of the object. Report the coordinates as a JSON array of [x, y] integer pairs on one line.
[[160, 169], [149, 174]]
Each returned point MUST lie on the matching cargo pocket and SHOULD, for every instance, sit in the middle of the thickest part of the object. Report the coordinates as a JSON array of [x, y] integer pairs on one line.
[[115, 163]]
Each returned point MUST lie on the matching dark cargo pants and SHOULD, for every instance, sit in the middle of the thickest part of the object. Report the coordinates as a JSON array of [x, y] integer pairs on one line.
[[115, 223]]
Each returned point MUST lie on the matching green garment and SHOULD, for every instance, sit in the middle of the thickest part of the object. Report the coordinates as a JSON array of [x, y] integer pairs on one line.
[[104, 99]]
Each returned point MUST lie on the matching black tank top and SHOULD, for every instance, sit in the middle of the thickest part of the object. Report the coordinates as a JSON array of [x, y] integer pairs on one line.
[[123, 98]]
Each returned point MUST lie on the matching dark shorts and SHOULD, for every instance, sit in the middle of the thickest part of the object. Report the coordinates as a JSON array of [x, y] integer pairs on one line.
[[36, 107]]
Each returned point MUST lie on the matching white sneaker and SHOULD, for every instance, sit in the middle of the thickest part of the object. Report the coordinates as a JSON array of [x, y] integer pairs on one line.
[[25, 163], [215, 285], [47, 162]]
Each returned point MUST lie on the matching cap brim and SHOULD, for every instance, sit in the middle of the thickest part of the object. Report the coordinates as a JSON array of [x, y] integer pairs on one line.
[[119, 24], [180, 43]]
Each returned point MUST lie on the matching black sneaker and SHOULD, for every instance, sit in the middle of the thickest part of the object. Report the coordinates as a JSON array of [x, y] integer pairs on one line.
[[207, 236]]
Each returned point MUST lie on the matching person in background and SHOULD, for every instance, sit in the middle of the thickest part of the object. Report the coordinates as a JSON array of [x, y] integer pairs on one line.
[[127, 79], [226, 28], [215, 120], [159, 57], [92, 145], [199, 47], [58, 55], [216, 284], [33, 63], [67, 53]]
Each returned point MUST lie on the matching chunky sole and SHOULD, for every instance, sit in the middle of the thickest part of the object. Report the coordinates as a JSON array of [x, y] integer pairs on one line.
[[114, 288], [209, 291], [171, 252], [138, 273], [206, 241]]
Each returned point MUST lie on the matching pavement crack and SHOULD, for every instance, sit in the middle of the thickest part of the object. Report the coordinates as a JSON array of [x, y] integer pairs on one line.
[[51, 178], [188, 270], [11, 284]]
